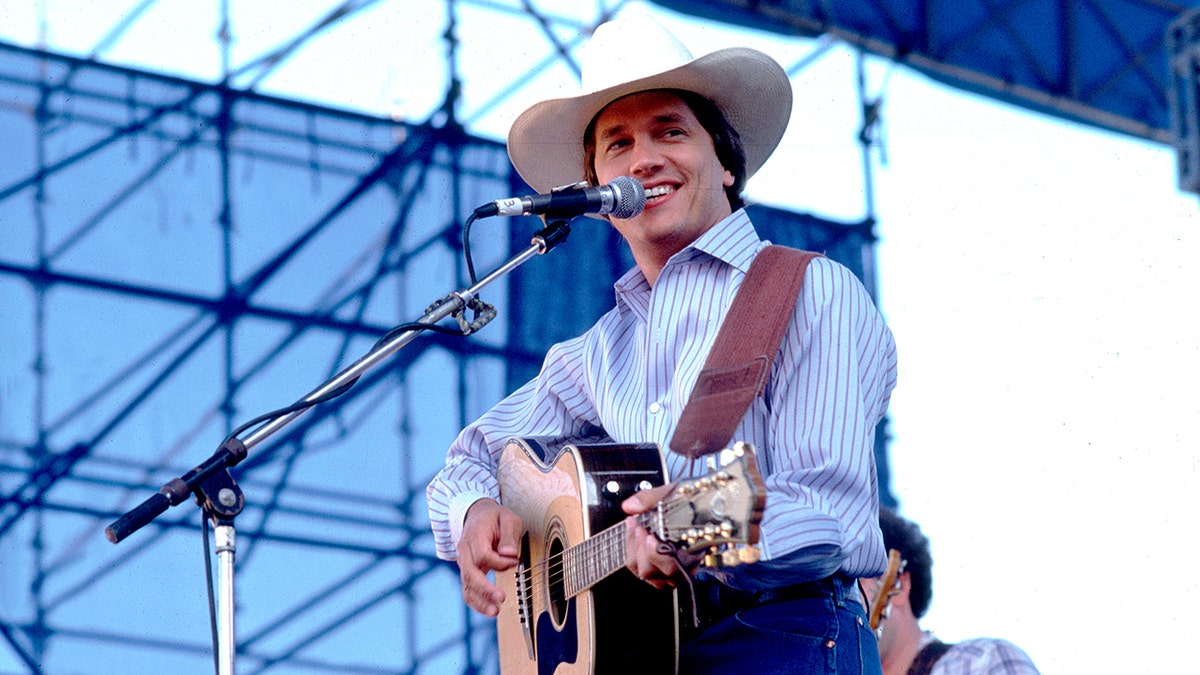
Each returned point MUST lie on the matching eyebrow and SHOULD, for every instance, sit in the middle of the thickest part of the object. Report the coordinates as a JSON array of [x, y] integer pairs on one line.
[[666, 118]]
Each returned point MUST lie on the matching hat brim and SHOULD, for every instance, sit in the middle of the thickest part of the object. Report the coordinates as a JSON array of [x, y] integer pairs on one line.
[[545, 142]]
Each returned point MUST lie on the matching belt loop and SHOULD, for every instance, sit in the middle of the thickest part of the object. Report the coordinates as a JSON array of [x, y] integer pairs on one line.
[[849, 591]]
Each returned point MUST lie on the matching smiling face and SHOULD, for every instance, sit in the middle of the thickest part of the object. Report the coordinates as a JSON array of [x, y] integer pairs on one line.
[[656, 138]]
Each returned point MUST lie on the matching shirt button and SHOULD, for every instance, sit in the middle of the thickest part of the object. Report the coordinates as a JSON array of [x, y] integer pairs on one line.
[[655, 408]]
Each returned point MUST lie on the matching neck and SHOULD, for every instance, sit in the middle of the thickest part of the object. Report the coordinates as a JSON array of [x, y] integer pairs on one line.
[[650, 270], [905, 642], [652, 251], [652, 258]]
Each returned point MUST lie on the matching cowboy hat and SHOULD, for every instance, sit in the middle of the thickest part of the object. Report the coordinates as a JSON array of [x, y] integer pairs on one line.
[[634, 53]]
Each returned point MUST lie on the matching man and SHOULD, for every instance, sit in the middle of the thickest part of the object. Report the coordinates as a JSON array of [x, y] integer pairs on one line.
[[904, 648], [692, 131]]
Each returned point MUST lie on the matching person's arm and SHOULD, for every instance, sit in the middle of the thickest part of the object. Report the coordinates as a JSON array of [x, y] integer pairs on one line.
[[830, 386], [469, 524]]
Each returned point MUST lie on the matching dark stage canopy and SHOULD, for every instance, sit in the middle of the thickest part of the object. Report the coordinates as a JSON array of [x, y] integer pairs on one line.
[[1100, 62]]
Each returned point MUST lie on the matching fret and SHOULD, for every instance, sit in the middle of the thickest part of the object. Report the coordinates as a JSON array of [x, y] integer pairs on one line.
[[589, 562]]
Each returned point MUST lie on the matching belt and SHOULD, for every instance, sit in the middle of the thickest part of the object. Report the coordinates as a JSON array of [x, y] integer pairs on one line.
[[810, 589], [715, 601]]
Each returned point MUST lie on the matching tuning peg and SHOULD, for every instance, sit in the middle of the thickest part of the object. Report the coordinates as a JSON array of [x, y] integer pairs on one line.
[[729, 558], [729, 455]]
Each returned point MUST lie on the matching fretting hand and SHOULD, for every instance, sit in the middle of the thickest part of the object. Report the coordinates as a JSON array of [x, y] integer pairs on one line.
[[649, 558]]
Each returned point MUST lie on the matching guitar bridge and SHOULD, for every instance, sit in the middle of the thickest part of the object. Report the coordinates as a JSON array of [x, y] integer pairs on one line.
[[524, 599]]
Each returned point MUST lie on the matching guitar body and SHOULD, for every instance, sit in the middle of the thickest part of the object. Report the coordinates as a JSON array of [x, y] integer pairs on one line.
[[565, 495]]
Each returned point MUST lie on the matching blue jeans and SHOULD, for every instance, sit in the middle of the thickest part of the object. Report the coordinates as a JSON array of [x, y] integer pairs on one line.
[[821, 632]]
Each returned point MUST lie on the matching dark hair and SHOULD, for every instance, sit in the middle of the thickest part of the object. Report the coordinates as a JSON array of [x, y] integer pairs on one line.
[[726, 142], [907, 538]]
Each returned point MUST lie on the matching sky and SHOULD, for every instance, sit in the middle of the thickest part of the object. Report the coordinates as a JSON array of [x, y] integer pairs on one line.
[[1036, 274]]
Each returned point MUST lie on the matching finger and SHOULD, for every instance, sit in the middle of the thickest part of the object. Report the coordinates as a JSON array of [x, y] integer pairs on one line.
[[478, 591], [477, 551], [642, 557], [491, 536], [483, 599], [658, 576], [660, 584], [511, 529], [644, 500], [635, 504], [664, 564], [634, 555]]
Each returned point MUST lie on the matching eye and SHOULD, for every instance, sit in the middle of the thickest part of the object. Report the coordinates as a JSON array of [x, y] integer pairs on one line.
[[616, 144]]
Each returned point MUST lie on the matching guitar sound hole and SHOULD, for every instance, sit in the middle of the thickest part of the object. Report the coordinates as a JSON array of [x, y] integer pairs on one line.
[[555, 580]]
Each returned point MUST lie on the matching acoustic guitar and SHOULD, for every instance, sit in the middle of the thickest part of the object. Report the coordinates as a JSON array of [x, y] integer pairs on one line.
[[571, 606]]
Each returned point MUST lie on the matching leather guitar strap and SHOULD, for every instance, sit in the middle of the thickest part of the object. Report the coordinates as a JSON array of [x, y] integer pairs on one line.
[[740, 360]]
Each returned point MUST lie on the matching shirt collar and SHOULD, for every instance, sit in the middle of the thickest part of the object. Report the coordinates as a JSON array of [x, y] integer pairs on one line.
[[732, 240]]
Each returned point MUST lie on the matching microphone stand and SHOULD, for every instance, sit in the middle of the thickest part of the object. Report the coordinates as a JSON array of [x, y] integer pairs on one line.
[[218, 494]]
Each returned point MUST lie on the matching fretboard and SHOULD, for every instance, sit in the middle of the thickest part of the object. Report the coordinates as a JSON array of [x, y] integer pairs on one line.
[[590, 561]]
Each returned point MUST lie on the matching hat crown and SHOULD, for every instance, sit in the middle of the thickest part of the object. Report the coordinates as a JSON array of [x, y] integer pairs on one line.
[[635, 53], [631, 47]]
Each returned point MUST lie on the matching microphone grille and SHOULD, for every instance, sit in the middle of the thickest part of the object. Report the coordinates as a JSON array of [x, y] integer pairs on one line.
[[631, 197]]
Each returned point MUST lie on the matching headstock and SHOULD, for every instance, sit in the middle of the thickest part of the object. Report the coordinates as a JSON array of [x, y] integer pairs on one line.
[[718, 513], [889, 585]]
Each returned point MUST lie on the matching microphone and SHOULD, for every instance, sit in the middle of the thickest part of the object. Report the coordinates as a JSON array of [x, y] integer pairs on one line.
[[624, 197]]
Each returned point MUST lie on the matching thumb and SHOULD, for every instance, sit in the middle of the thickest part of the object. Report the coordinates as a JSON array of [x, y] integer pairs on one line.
[[511, 530], [643, 501]]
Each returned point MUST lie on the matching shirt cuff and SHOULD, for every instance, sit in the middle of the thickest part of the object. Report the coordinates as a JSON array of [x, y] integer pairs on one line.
[[457, 513]]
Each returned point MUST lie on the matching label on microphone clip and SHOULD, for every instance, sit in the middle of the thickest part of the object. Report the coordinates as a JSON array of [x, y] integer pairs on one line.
[[513, 206]]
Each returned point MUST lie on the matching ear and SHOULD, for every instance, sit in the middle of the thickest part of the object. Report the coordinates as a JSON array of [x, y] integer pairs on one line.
[[727, 179], [901, 597]]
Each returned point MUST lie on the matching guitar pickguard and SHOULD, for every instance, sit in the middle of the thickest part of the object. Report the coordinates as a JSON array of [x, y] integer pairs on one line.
[[557, 641]]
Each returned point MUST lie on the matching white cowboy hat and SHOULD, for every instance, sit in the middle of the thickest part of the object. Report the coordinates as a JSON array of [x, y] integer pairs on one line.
[[635, 53]]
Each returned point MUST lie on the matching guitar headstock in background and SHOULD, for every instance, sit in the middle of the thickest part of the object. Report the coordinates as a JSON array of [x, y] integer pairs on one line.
[[889, 585]]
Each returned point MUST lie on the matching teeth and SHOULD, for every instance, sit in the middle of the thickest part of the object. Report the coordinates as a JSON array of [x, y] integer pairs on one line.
[[659, 191]]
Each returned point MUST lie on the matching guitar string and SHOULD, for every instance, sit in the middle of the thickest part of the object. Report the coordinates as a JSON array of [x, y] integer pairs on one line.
[[603, 540], [608, 544], [669, 504]]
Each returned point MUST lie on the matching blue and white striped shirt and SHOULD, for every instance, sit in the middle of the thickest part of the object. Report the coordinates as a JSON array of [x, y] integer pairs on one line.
[[633, 371]]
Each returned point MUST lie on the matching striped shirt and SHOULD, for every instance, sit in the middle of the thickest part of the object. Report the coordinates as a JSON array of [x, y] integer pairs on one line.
[[632, 372]]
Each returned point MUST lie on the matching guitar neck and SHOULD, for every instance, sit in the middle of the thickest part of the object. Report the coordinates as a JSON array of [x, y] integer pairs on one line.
[[592, 560]]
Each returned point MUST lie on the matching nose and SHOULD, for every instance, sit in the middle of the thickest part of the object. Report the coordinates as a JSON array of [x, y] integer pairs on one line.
[[646, 160]]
